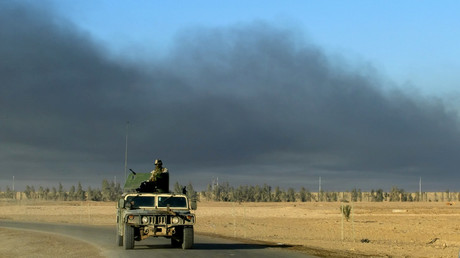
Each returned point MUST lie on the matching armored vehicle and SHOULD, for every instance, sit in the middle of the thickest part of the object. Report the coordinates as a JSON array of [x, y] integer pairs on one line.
[[150, 210]]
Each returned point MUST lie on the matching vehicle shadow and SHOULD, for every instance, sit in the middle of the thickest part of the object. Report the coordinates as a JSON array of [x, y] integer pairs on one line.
[[216, 246], [234, 246]]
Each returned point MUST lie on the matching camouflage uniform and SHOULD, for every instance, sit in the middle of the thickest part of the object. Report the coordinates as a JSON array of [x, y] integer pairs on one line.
[[156, 173]]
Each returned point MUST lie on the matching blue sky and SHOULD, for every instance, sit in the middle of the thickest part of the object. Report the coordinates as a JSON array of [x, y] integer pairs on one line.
[[413, 43]]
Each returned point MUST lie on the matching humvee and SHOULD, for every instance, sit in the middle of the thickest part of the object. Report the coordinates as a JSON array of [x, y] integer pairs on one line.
[[155, 213]]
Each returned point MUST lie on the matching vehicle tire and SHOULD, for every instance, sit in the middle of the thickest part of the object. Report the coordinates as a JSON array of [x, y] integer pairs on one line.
[[188, 238], [128, 238], [175, 242], [177, 237], [119, 239]]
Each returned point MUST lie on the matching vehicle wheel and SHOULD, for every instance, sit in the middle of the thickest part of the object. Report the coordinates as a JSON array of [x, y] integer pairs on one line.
[[176, 239], [175, 242], [128, 238], [188, 238], [119, 239]]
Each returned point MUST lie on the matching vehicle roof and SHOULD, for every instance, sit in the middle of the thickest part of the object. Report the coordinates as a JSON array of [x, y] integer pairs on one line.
[[155, 194]]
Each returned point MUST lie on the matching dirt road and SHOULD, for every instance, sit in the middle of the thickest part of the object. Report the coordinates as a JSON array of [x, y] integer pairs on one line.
[[99, 241]]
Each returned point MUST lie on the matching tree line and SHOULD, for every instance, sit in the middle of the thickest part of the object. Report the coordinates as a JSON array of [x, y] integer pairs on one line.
[[265, 193], [111, 191]]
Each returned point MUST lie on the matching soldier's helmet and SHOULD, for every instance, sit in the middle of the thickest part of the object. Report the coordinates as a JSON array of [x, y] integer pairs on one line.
[[158, 162]]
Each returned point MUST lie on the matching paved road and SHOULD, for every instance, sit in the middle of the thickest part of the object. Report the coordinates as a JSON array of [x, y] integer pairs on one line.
[[104, 238]]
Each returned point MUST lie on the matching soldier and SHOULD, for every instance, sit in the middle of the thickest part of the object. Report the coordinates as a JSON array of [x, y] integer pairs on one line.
[[158, 171]]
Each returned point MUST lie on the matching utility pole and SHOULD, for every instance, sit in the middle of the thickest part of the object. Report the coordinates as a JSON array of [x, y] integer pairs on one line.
[[320, 197], [319, 190], [14, 193], [420, 190], [126, 149]]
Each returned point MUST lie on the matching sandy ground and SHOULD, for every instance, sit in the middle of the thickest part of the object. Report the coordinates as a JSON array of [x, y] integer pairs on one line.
[[393, 229], [387, 229], [35, 244]]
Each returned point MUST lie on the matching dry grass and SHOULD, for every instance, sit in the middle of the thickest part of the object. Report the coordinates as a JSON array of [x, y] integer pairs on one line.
[[393, 229]]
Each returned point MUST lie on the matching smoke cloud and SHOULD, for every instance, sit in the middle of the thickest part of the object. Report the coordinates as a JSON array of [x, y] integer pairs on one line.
[[251, 104]]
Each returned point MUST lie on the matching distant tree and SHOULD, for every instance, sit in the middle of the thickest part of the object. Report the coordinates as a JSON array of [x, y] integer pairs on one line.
[[290, 195], [277, 194], [283, 195], [118, 191], [226, 194], [41, 193], [360, 195], [417, 197], [94, 194], [28, 191], [89, 193], [257, 193], [9, 193], [332, 196], [80, 194], [377, 196], [47, 194], [239, 194], [106, 191], [448, 195], [53, 194], [396, 194], [191, 194], [71, 196], [209, 193], [267, 193], [409, 197], [216, 193], [321, 196], [303, 194], [354, 195], [61, 195], [33, 193], [177, 188]]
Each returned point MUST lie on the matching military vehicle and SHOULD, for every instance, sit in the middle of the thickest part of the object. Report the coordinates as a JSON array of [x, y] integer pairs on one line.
[[147, 209]]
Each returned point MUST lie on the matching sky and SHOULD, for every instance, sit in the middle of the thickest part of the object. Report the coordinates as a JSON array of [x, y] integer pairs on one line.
[[362, 94]]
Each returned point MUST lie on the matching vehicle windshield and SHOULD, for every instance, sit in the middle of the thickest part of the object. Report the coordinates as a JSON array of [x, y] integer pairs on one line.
[[141, 201], [173, 201]]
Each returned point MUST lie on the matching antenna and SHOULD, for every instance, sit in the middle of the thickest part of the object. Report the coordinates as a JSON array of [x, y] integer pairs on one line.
[[126, 148]]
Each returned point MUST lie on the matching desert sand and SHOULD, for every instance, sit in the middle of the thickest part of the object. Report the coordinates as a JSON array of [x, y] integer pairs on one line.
[[17, 243], [396, 229]]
